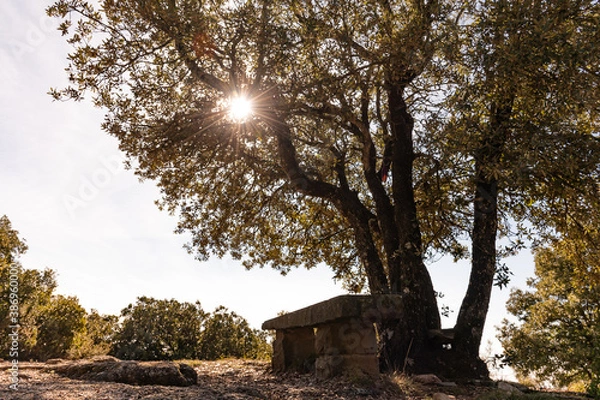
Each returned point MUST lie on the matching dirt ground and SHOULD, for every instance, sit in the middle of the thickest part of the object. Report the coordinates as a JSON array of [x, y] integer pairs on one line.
[[224, 380]]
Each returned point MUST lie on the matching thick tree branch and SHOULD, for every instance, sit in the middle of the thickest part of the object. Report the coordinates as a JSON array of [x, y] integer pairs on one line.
[[198, 73], [410, 275], [169, 27], [344, 199]]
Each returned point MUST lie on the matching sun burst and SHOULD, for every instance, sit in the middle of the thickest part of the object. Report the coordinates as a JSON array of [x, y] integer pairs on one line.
[[240, 108]]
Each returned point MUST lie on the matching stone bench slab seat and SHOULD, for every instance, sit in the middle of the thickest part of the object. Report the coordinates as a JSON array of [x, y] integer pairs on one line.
[[332, 337]]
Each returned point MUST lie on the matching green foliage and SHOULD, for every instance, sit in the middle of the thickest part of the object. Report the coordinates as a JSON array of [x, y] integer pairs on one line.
[[24, 293], [325, 71], [57, 325], [30, 288], [169, 330], [49, 325], [321, 69], [227, 335], [35, 289], [11, 246], [154, 329], [558, 334], [97, 337], [540, 61]]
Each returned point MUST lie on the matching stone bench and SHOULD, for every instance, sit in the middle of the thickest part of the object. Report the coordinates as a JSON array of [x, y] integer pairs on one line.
[[332, 337]]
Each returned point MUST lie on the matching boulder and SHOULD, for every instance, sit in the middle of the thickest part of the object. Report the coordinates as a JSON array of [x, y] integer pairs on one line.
[[427, 379], [507, 387], [130, 372]]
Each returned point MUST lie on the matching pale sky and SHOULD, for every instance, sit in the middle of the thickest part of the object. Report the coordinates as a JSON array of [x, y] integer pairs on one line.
[[64, 189]]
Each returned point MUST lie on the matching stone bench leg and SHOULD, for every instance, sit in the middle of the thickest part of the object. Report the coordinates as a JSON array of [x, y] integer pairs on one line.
[[348, 346], [294, 349]]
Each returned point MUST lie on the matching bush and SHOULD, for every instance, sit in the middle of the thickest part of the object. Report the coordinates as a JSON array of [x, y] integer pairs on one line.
[[97, 337], [226, 335], [57, 325], [159, 330]]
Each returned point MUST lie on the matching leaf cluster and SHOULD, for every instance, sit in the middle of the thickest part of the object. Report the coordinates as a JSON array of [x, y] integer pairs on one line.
[[163, 70], [558, 332], [542, 59]]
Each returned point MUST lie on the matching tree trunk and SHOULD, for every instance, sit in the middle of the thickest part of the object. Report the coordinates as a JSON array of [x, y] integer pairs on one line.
[[471, 318], [350, 206], [405, 343], [474, 309]]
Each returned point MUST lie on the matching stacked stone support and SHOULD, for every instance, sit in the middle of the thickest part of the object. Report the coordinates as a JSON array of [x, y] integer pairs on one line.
[[294, 349], [333, 337], [346, 346]]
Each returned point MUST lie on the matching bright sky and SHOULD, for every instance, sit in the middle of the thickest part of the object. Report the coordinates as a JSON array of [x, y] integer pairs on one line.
[[64, 189]]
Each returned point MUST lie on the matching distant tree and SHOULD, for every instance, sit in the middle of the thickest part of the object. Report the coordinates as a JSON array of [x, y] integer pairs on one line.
[[35, 292], [154, 329], [262, 348], [24, 293], [382, 133], [57, 325], [226, 334], [11, 246], [19, 286], [97, 338], [557, 334]]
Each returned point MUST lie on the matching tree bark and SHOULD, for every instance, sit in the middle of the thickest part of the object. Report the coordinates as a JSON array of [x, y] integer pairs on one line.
[[405, 342], [474, 308], [410, 276], [471, 318], [359, 218]]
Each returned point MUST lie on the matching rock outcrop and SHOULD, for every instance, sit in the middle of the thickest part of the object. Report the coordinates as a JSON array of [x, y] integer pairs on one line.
[[130, 372]]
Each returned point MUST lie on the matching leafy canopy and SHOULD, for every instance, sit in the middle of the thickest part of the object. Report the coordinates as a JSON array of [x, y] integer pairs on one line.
[[165, 71], [154, 329], [56, 326], [557, 337], [226, 334], [296, 183]]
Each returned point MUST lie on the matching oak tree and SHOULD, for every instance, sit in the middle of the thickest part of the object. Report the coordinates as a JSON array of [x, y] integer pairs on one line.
[[97, 337], [379, 134], [58, 323], [526, 115], [557, 333], [24, 293]]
